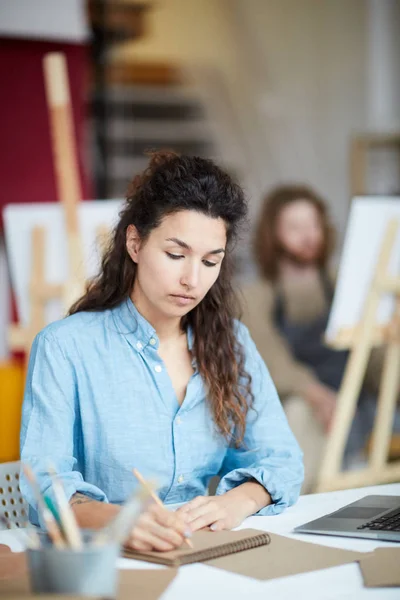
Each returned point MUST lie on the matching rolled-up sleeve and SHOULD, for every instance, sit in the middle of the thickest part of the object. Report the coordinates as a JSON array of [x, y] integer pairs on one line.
[[269, 453], [50, 427]]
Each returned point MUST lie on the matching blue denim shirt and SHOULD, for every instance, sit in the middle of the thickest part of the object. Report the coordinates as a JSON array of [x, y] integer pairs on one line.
[[99, 402]]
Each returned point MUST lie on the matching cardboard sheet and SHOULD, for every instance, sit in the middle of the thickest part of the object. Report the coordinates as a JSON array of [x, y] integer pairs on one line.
[[381, 568], [283, 557]]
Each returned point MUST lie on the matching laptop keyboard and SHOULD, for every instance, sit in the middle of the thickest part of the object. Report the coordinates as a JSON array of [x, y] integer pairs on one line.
[[389, 522]]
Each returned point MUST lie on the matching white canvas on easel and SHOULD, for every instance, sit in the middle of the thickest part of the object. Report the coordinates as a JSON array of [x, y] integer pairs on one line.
[[19, 222], [368, 219], [366, 313]]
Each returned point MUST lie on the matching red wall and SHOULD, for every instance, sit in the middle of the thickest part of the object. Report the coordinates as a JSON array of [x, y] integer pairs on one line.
[[26, 161]]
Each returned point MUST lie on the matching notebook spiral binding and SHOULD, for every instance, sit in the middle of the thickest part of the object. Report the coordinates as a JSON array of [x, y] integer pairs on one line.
[[232, 548]]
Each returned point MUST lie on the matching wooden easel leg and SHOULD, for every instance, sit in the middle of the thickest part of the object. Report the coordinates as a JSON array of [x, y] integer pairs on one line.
[[389, 390], [21, 338], [37, 317], [37, 305], [345, 411], [329, 475], [67, 173], [386, 408]]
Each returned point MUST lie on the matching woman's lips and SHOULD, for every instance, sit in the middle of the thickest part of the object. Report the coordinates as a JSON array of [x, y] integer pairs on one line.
[[182, 300]]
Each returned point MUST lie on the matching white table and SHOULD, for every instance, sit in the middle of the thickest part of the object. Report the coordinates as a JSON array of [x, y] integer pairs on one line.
[[200, 582]]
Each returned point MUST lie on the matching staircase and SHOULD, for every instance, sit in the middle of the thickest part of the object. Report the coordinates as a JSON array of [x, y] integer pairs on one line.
[[142, 118]]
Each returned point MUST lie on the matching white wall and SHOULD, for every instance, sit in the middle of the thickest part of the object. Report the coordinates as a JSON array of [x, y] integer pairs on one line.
[[296, 73], [383, 62], [62, 20], [311, 57], [383, 92]]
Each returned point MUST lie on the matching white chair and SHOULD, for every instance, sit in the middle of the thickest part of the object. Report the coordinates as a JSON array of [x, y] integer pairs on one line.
[[12, 505]]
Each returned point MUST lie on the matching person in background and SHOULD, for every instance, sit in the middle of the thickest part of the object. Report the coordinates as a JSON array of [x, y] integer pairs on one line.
[[287, 311], [150, 370]]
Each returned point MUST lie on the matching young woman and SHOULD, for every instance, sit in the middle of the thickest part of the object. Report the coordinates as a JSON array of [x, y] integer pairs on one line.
[[293, 246], [151, 370]]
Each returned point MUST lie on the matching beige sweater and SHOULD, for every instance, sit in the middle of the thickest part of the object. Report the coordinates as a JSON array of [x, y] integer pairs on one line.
[[303, 302]]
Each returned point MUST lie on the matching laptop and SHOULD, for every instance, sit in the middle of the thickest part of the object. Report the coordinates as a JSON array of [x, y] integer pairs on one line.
[[372, 517]]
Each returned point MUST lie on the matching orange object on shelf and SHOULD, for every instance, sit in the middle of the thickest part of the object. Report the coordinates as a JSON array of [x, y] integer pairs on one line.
[[11, 393]]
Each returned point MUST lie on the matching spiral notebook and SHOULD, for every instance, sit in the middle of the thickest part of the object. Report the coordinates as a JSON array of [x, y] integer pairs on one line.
[[207, 546]]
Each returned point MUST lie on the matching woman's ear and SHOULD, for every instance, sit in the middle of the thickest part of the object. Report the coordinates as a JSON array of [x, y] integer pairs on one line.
[[133, 242]]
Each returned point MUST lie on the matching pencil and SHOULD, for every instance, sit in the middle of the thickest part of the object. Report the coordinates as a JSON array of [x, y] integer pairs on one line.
[[49, 520], [156, 499]]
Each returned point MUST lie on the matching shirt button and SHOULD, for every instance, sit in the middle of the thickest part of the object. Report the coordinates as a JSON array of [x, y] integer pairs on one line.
[[158, 368], [178, 420], [153, 341], [181, 479], [139, 345]]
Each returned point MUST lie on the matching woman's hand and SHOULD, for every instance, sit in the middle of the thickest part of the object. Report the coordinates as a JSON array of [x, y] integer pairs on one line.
[[158, 529], [226, 511]]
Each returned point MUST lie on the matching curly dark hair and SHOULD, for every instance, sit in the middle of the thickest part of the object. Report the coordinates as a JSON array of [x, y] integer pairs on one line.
[[266, 245], [170, 184]]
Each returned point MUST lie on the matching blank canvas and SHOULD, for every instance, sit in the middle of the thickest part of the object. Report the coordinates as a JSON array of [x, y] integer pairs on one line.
[[19, 221], [368, 220]]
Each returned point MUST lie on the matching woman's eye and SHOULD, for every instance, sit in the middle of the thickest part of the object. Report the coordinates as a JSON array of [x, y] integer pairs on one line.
[[208, 263], [174, 256]]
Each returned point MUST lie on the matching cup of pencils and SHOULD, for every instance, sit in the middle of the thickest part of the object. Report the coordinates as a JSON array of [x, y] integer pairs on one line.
[[90, 570], [67, 560]]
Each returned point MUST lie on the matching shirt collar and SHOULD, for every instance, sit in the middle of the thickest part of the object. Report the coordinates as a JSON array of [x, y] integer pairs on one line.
[[137, 329], [134, 326]]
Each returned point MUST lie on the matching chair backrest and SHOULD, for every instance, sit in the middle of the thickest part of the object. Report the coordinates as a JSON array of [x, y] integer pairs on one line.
[[12, 505]]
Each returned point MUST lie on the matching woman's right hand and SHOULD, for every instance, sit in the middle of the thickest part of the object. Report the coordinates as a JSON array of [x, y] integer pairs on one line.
[[158, 529], [322, 400]]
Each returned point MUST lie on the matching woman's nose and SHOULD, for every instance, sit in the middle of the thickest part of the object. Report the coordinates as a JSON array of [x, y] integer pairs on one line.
[[190, 276]]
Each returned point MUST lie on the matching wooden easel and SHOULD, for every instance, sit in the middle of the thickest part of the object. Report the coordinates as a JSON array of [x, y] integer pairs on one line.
[[69, 192], [21, 338], [67, 173], [361, 340]]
